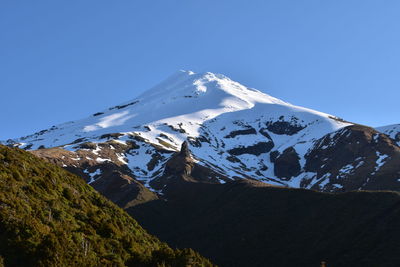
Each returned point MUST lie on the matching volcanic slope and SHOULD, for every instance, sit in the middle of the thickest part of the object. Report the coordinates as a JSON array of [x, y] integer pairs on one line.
[[236, 131]]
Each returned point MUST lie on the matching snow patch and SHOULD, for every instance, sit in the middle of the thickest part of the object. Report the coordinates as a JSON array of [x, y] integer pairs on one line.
[[380, 161], [101, 160], [92, 175], [121, 158]]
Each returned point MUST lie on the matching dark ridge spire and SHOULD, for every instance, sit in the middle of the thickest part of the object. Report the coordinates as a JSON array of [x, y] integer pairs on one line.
[[185, 152], [180, 163]]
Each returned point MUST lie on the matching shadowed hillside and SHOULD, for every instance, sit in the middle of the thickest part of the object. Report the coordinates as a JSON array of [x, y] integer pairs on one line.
[[249, 223]]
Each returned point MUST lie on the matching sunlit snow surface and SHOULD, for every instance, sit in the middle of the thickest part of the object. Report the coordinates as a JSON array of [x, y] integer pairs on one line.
[[192, 105], [393, 131]]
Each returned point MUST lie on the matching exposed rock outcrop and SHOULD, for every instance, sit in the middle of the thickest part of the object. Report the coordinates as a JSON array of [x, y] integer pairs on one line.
[[181, 163], [287, 164], [256, 149], [357, 157], [181, 168]]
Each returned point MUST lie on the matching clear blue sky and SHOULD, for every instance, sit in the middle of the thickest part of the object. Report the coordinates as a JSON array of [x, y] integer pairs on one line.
[[65, 60]]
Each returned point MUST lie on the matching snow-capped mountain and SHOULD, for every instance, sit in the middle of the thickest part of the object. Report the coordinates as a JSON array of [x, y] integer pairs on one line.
[[233, 130], [185, 100]]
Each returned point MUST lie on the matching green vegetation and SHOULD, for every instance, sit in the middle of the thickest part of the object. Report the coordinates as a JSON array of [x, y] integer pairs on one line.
[[50, 217]]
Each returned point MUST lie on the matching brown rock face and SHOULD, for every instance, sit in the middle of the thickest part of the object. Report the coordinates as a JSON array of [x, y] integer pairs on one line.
[[123, 190], [181, 163], [181, 168], [111, 178]]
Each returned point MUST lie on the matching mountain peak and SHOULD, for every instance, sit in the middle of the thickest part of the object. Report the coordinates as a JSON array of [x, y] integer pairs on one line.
[[212, 88], [185, 102], [185, 83]]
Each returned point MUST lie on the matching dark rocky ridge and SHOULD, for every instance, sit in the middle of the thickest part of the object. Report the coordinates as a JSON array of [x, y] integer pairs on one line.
[[256, 149], [285, 127], [357, 147], [249, 130]]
